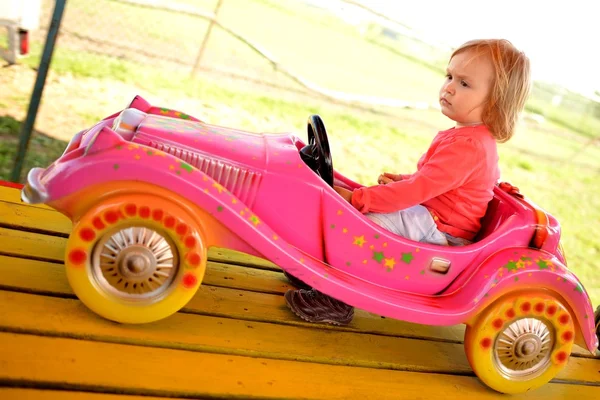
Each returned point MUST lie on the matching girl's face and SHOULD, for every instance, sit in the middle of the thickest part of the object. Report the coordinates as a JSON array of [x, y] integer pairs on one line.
[[467, 87]]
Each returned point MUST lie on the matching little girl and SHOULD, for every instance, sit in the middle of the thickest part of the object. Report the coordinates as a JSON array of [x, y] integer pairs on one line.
[[487, 84]]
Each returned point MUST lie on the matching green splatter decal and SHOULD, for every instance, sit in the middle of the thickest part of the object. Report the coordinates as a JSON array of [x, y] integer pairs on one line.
[[378, 256], [407, 257], [511, 265], [186, 166], [542, 264]]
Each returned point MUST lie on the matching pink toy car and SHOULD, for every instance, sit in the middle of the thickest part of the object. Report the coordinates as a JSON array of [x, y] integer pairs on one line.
[[149, 190]]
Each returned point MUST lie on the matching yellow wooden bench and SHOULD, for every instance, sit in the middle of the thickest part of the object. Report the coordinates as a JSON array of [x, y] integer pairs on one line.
[[235, 339]]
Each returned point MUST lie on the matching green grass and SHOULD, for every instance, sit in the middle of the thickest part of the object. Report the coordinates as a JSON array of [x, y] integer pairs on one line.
[[43, 150]]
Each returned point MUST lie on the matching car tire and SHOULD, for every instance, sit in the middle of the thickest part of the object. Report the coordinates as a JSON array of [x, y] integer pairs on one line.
[[135, 258], [520, 342]]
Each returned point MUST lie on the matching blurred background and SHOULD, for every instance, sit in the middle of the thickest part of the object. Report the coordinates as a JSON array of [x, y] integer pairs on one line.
[[372, 69]]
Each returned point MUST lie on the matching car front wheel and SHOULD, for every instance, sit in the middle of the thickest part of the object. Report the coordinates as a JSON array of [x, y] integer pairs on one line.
[[135, 258]]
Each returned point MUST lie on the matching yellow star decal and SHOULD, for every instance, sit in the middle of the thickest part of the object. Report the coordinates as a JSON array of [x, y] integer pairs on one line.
[[359, 240], [254, 219], [275, 237], [389, 262], [345, 230], [219, 187], [339, 212]]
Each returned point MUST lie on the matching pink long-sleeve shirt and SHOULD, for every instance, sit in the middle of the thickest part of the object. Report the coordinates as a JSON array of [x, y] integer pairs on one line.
[[455, 179]]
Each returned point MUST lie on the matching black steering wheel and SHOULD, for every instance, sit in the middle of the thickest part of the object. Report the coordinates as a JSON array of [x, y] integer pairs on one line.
[[316, 153]]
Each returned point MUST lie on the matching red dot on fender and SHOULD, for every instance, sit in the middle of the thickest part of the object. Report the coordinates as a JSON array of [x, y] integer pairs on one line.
[[525, 307], [567, 336], [170, 222], [98, 224], [157, 215], [182, 229], [193, 259], [189, 280], [111, 216], [144, 212], [87, 234], [77, 256], [190, 242], [486, 343], [130, 209]]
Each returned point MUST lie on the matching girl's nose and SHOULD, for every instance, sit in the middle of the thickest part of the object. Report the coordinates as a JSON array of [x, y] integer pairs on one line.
[[449, 88]]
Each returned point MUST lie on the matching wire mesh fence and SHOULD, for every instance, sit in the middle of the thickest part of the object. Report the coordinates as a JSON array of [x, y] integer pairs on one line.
[[290, 44]]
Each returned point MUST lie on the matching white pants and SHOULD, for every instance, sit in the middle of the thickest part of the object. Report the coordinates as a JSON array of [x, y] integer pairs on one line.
[[414, 223]]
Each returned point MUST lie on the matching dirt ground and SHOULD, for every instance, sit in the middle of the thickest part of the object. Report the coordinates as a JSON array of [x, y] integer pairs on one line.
[[60, 92]]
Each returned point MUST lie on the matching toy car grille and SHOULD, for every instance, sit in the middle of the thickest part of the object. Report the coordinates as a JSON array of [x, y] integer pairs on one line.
[[239, 181]]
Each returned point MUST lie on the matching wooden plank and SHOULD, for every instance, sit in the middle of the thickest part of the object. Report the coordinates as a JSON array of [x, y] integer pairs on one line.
[[47, 316], [68, 318], [29, 244], [233, 276], [47, 278], [51, 222], [237, 258], [145, 370], [217, 274], [41, 277], [47, 394], [34, 218], [13, 195]]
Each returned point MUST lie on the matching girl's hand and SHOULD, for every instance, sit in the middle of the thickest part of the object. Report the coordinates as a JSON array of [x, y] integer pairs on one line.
[[345, 193], [387, 177]]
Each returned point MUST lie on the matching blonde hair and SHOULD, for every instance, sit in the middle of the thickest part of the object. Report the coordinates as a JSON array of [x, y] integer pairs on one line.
[[510, 87]]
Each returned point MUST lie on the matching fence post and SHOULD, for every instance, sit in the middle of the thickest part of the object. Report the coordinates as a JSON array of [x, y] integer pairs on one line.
[[205, 40], [38, 88]]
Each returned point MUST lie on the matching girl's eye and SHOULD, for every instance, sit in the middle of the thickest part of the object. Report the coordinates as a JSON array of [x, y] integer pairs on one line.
[[448, 76], [464, 84]]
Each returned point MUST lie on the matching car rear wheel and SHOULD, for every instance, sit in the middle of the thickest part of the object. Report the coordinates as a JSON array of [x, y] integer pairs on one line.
[[520, 342], [135, 258]]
